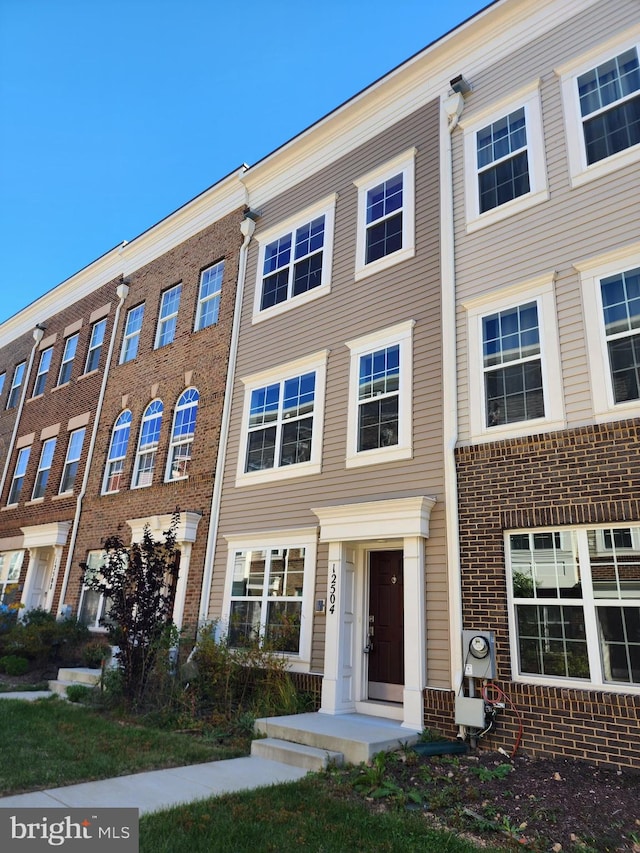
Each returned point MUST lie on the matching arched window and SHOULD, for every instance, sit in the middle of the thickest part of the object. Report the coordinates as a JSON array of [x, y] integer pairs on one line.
[[184, 426], [148, 444], [113, 474]]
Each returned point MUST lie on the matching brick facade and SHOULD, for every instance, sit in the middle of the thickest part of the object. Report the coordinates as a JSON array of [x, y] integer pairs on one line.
[[588, 475]]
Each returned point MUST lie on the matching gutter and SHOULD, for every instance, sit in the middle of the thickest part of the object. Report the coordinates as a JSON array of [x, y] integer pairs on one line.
[[452, 107], [247, 227], [122, 291]]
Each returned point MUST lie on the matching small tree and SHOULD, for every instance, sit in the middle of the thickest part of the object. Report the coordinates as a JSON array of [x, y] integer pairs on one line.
[[140, 582]]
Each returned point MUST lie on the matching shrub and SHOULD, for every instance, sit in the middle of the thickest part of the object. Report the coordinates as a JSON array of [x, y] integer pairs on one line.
[[14, 665], [42, 639], [94, 653], [79, 693]]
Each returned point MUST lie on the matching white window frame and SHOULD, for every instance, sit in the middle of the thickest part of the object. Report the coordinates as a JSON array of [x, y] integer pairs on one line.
[[215, 271], [588, 602], [44, 468], [541, 291], [95, 560], [76, 436], [19, 472], [129, 336], [164, 320], [579, 171], [296, 538], [591, 273], [529, 99], [97, 331], [66, 359], [402, 335], [402, 164], [317, 362], [143, 450], [115, 460], [10, 566], [13, 397], [181, 440], [326, 208], [3, 377], [43, 371]]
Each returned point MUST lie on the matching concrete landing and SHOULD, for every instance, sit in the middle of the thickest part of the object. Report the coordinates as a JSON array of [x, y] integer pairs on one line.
[[357, 736]]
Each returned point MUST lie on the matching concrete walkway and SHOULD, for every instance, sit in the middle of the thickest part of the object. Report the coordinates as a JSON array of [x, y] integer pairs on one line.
[[157, 789]]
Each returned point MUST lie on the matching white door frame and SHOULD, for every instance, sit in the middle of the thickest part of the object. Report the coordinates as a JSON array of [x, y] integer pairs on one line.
[[36, 539], [351, 530]]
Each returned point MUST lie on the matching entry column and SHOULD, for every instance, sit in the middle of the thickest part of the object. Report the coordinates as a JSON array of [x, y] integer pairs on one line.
[[338, 688]]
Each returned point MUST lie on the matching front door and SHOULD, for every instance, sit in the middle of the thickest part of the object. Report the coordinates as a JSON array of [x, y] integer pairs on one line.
[[41, 579], [386, 626]]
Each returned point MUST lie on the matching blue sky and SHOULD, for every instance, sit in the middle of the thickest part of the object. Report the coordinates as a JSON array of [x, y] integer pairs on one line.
[[116, 112]]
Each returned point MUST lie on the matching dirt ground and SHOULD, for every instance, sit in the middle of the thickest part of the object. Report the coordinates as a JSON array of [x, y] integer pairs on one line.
[[536, 804]]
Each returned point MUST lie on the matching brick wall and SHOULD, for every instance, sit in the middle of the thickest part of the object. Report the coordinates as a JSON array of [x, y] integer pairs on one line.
[[589, 475]]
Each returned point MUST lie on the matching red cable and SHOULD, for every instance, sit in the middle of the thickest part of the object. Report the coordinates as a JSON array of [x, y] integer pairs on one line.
[[502, 696]]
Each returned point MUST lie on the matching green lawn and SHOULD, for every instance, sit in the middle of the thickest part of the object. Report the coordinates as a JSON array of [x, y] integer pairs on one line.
[[302, 816], [49, 743]]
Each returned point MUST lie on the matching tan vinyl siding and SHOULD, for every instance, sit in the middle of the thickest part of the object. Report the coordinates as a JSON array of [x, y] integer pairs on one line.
[[537, 241], [407, 291]]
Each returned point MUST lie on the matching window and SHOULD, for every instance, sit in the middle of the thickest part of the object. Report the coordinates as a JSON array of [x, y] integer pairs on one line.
[[209, 296], [18, 475], [114, 472], [386, 225], [504, 159], [148, 445], [3, 376], [71, 463], [282, 421], [184, 427], [514, 362], [43, 370], [294, 263], [621, 316], [379, 416], [575, 606], [610, 106], [44, 467], [168, 318], [611, 293], [131, 338], [95, 346], [602, 111], [94, 606], [70, 347], [10, 565], [269, 592], [16, 385]]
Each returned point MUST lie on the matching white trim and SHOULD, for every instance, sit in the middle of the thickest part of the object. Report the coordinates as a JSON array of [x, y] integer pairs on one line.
[[325, 207], [402, 335], [387, 519], [180, 442], [163, 321], [304, 537], [542, 291], [591, 272], [403, 164], [579, 172], [317, 362], [529, 99]]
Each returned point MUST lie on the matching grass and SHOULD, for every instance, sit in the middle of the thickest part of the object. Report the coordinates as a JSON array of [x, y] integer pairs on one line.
[[49, 743], [297, 816]]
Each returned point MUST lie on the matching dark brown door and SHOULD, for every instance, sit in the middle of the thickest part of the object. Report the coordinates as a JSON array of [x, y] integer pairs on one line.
[[386, 626]]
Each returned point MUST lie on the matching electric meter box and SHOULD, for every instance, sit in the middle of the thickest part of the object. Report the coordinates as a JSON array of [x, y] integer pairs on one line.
[[479, 654]]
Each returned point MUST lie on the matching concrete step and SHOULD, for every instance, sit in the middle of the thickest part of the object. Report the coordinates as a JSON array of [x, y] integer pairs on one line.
[[295, 754], [357, 736], [80, 675]]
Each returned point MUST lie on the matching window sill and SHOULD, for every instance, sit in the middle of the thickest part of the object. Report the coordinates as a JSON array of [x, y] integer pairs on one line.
[[86, 375], [9, 506], [34, 501], [270, 475], [64, 385], [506, 210], [290, 304], [516, 430], [578, 684], [62, 495], [378, 457], [384, 263], [37, 397], [584, 174]]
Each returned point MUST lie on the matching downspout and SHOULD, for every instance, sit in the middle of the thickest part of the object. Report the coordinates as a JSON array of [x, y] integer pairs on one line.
[[247, 227], [38, 334], [122, 290], [452, 107]]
